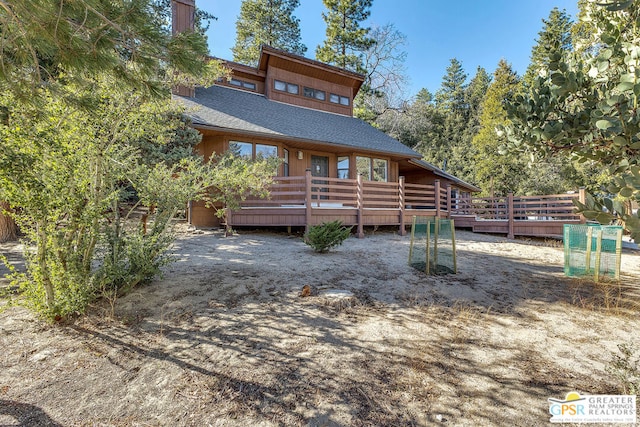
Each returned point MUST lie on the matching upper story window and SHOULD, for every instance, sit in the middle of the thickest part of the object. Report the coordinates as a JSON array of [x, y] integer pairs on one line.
[[240, 83], [314, 93], [338, 99], [285, 87]]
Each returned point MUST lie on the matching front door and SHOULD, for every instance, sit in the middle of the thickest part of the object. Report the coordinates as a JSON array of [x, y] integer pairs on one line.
[[320, 167]]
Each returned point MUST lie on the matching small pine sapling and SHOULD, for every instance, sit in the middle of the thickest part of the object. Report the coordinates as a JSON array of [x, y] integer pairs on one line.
[[326, 235]]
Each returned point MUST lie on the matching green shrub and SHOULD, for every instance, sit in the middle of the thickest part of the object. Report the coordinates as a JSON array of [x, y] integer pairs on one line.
[[326, 235]]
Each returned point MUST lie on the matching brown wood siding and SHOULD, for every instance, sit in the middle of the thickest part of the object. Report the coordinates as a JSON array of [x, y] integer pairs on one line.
[[302, 81], [314, 71], [393, 171], [218, 142], [211, 144]]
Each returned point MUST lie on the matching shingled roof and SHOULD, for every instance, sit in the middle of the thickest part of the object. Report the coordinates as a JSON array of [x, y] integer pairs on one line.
[[237, 110]]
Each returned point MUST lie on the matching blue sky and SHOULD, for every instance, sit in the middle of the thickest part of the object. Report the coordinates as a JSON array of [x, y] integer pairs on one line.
[[476, 32]]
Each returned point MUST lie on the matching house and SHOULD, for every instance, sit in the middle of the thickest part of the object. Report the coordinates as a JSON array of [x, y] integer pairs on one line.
[[334, 166]]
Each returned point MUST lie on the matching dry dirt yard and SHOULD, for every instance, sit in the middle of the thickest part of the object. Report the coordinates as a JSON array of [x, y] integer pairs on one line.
[[225, 339]]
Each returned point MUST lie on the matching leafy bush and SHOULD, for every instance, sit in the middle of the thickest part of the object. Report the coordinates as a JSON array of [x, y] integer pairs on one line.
[[326, 235], [96, 206], [626, 368]]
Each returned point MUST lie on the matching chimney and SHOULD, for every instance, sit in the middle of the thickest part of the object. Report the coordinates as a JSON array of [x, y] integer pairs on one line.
[[183, 19], [182, 15]]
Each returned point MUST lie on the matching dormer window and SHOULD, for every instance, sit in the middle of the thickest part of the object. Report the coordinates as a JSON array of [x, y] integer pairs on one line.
[[314, 93], [339, 99], [285, 87]]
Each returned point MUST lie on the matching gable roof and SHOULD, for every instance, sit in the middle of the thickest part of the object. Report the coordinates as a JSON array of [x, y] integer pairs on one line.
[[237, 110]]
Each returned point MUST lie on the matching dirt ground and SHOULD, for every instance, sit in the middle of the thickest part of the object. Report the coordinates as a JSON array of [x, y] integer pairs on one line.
[[225, 339]]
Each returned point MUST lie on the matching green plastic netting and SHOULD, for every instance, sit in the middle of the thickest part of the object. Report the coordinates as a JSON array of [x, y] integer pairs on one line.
[[433, 245], [592, 250]]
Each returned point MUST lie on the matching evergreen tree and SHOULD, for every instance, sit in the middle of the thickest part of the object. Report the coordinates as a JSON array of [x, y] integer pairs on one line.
[[497, 174], [464, 152], [451, 95], [59, 42], [269, 22], [555, 36], [449, 149], [474, 95], [346, 40]]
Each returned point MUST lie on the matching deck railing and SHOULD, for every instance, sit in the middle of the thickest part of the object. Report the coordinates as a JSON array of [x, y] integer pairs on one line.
[[348, 193], [550, 207], [309, 192]]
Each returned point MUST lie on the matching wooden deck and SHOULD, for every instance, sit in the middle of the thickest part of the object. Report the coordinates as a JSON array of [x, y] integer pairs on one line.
[[304, 201]]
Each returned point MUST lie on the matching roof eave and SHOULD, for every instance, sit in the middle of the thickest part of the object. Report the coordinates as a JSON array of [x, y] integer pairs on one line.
[[443, 174]]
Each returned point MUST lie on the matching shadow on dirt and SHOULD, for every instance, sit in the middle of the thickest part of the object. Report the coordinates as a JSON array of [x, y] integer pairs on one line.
[[25, 414]]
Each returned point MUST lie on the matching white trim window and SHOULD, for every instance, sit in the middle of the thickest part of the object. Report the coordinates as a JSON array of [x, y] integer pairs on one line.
[[339, 99], [285, 87]]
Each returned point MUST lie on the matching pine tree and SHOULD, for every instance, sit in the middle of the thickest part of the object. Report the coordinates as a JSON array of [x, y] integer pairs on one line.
[[451, 95], [448, 150], [464, 152], [53, 42], [555, 36], [269, 22], [497, 174], [346, 40], [474, 96]]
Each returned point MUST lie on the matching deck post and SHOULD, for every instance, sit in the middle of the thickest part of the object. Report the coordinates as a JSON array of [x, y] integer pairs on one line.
[[307, 199], [449, 201], [436, 189], [360, 204], [582, 198], [403, 230], [510, 234]]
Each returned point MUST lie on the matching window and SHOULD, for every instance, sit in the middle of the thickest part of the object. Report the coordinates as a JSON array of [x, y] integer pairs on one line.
[[373, 169], [263, 150], [285, 164], [246, 149], [343, 167], [363, 166], [379, 170], [338, 99], [314, 93], [285, 87], [240, 83], [241, 149]]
